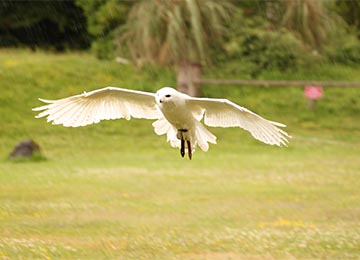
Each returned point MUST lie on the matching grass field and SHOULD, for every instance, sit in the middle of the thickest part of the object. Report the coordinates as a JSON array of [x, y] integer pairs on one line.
[[117, 191]]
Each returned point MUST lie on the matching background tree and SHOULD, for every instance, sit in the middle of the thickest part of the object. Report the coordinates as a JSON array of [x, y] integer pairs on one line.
[[45, 24], [103, 19], [179, 33], [308, 19]]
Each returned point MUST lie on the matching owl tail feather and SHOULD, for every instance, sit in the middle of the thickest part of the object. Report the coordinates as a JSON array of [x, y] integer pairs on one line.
[[198, 136], [203, 137]]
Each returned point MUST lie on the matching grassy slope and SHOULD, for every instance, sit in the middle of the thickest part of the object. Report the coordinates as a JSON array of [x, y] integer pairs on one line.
[[116, 190]]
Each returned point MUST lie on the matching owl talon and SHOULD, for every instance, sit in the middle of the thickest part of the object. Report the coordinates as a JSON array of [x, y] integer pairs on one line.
[[189, 149], [182, 149]]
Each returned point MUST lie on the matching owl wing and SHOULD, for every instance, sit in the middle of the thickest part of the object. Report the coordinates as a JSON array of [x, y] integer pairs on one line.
[[224, 113], [101, 104]]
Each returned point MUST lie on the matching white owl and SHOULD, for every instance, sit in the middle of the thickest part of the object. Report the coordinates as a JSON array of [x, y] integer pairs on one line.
[[177, 115]]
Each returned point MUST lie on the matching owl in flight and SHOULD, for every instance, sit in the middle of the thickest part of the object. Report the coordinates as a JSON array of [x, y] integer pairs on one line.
[[177, 115]]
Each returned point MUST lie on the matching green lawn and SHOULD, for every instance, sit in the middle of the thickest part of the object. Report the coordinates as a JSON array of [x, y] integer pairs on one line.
[[117, 191]]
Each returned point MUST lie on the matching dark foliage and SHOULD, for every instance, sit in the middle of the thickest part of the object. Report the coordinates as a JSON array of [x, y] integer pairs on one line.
[[350, 12], [46, 24]]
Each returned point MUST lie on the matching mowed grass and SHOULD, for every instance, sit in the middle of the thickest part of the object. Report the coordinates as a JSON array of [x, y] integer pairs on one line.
[[117, 191]]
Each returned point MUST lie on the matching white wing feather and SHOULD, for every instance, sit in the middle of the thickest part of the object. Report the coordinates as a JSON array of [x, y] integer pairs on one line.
[[102, 104], [224, 113]]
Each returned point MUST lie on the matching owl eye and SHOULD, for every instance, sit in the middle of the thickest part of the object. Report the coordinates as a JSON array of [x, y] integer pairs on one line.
[[168, 96]]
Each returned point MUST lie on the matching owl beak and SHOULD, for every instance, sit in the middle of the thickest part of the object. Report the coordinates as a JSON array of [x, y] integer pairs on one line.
[[158, 99]]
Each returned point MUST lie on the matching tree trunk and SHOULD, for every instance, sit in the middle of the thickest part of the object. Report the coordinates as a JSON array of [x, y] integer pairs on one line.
[[187, 76]]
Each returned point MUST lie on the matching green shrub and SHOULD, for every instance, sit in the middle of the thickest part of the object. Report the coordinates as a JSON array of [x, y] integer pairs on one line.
[[103, 18], [346, 50], [103, 47], [265, 50]]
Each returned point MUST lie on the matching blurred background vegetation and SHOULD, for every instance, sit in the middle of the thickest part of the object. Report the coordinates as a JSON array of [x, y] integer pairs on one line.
[[281, 34]]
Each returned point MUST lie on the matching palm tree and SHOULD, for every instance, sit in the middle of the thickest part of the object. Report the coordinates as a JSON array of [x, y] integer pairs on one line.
[[178, 33], [306, 18]]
